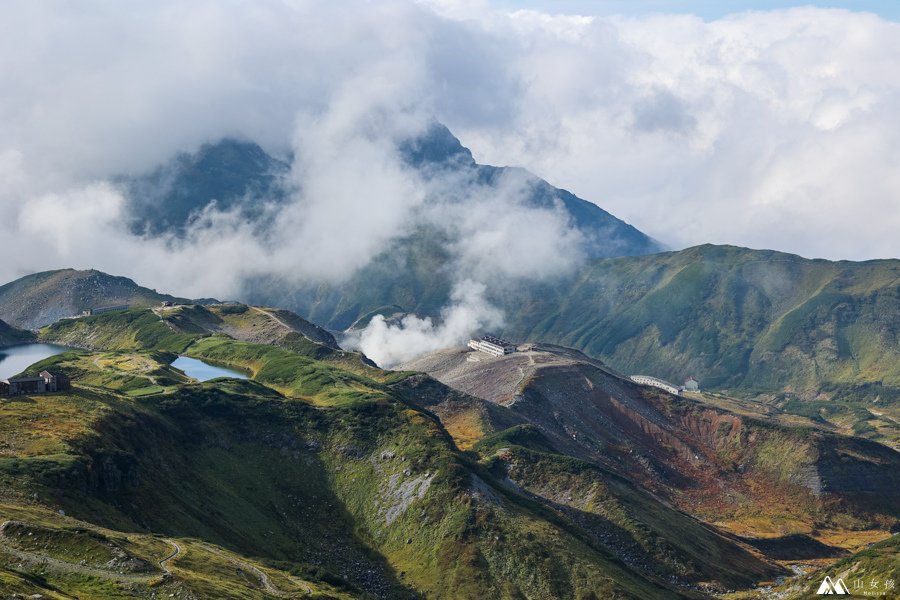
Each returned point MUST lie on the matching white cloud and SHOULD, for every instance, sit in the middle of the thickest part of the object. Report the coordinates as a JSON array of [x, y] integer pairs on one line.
[[497, 234], [390, 344], [768, 129]]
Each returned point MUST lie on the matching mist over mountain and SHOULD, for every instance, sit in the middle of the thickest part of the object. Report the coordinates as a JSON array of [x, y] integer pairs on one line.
[[232, 175], [439, 152], [652, 117], [466, 227]]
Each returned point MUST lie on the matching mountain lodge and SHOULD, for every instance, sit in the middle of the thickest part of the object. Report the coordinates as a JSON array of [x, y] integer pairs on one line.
[[45, 382], [492, 345]]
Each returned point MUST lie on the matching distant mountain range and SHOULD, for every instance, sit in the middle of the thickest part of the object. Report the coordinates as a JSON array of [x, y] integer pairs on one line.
[[819, 336], [758, 321], [740, 320], [813, 337], [241, 175]]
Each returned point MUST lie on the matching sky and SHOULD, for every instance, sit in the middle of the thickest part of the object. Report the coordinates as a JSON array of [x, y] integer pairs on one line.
[[706, 9], [767, 126]]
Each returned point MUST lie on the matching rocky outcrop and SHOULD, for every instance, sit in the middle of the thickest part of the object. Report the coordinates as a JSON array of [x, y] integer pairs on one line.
[[691, 452]]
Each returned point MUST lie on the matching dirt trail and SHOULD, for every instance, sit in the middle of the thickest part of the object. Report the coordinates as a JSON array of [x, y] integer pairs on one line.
[[164, 562], [273, 317], [260, 574], [56, 564], [531, 363]]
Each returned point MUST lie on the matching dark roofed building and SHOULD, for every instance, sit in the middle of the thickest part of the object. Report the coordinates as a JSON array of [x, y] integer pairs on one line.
[[43, 383]]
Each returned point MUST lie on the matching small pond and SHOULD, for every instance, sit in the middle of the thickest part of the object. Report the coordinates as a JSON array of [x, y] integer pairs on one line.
[[202, 371], [15, 359]]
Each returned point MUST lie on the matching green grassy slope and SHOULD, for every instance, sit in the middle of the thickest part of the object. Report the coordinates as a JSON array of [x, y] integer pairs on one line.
[[60, 557], [42, 298], [10, 335], [275, 339], [749, 321], [370, 498], [735, 318], [348, 476], [746, 322], [646, 533], [342, 484], [135, 329]]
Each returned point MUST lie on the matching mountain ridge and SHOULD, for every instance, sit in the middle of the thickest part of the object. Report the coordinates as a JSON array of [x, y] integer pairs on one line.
[[39, 299], [240, 174], [819, 336], [696, 453], [230, 172]]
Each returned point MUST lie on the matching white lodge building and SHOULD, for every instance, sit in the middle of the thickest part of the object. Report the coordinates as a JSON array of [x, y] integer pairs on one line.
[[492, 345]]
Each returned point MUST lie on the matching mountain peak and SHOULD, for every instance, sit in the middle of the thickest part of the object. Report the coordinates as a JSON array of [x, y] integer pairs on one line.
[[230, 172], [436, 147]]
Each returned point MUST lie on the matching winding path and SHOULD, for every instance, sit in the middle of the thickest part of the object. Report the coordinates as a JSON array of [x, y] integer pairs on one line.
[[260, 574], [273, 317], [63, 566], [164, 562]]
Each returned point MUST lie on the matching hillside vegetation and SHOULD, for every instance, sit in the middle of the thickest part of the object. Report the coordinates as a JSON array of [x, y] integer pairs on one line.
[[748, 321], [757, 321], [42, 298], [319, 474], [812, 337], [816, 337], [552, 477], [10, 335]]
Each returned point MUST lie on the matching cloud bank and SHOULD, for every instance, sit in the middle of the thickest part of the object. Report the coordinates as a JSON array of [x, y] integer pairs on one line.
[[390, 344], [767, 129], [763, 129]]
